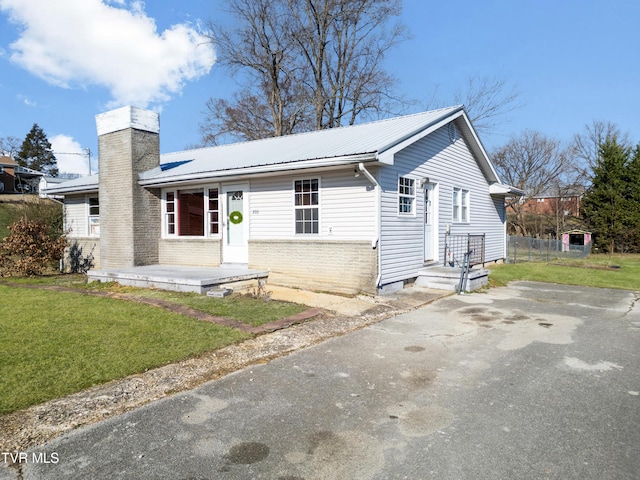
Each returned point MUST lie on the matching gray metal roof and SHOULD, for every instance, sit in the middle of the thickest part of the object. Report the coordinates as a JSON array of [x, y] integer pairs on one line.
[[357, 143], [363, 140], [77, 185]]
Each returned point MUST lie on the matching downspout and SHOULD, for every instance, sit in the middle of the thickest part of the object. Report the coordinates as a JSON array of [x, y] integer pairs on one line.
[[376, 241]]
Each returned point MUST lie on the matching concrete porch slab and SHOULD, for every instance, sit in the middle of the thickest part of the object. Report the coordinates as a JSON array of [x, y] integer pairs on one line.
[[178, 278]]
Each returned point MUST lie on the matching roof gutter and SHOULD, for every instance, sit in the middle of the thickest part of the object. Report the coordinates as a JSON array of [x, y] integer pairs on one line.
[[376, 241], [258, 170], [501, 189], [71, 190]]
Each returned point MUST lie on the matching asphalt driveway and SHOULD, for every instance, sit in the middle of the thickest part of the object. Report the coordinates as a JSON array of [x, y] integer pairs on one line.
[[531, 381]]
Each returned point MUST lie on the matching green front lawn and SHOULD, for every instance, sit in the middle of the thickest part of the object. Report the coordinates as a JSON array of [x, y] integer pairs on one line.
[[605, 271], [242, 308], [56, 343]]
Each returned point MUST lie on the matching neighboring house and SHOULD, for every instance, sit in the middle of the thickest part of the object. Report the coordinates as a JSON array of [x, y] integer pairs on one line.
[[565, 201], [50, 182], [358, 208], [15, 178]]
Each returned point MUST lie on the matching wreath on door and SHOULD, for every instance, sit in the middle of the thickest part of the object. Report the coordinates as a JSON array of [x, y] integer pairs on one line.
[[235, 217]]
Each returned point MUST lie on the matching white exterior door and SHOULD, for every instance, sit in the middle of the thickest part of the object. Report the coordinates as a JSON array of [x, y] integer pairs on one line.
[[235, 225], [429, 228]]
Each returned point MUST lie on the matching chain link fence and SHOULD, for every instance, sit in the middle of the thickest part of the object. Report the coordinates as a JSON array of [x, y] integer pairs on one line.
[[529, 249]]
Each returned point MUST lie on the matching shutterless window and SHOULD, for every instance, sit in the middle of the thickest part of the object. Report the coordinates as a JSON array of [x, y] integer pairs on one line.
[[213, 211], [170, 215], [94, 216], [406, 195], [306, 203], [460, 205]]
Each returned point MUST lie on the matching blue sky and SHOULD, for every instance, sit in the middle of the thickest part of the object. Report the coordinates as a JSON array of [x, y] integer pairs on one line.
[[63, 62]]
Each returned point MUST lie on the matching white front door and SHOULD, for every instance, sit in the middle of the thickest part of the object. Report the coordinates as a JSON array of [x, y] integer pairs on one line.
[[429, 240], [235, 225]]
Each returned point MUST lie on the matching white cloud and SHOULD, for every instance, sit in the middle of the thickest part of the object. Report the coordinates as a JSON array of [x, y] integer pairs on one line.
[[70, 156], [113, 44], [27, 101]]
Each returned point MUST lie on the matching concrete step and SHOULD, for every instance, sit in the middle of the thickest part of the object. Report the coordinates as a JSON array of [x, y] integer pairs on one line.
[[448, 278]]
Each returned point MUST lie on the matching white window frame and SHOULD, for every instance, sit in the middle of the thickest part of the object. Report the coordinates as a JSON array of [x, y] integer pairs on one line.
[[311, 206], [93, 216], [176, 212], [461, 210], [406, 196]]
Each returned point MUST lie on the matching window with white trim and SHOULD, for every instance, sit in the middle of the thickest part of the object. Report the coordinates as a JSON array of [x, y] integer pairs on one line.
[[306, 206], [460, 205], [406, 196], [94, 216], [192, 213], [213, 212]]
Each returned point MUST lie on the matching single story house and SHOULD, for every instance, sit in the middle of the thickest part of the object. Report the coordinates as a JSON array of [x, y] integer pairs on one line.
[[357, 208]]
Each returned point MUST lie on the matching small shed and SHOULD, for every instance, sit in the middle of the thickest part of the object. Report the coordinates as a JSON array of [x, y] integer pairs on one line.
[[575, 237]]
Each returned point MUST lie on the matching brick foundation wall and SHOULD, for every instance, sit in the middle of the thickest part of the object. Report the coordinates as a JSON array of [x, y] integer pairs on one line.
[[339, 266], [185, 251]]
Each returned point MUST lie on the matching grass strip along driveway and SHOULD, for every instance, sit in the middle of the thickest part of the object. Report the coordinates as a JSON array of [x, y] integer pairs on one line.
[[54, 343], [602, 271]]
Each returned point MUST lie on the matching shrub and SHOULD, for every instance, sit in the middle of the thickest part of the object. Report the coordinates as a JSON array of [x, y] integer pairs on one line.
[[31, 248]]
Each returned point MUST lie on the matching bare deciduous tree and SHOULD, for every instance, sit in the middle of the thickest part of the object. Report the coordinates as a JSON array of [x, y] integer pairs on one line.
[[306, 64], [488, 100], [534, 163], [586, 145], [10, 146]]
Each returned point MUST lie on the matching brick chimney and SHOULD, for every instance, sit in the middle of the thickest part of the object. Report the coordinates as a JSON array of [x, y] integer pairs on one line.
[[128, 144]]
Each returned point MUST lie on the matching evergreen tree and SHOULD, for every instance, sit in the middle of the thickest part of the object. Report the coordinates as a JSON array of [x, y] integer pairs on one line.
[[633, 201], [36, 153], [606, 201]]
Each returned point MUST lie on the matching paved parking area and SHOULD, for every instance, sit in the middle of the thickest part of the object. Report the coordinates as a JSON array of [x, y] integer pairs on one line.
[[531, 381]]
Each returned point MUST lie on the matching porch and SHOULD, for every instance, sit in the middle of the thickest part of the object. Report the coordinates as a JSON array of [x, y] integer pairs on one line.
[[182, 278], [458, 249]]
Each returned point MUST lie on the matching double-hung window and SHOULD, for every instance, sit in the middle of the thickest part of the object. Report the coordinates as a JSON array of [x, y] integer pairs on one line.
[[94, 216], [306, 206], [406, 196], [460, 205]]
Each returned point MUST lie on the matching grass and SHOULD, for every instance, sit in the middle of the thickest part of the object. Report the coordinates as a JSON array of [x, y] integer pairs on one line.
[[9, 213], [594, 271], [244, 309], [56, 343]]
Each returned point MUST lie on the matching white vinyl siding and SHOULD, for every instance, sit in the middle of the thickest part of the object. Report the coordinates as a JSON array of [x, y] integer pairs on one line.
[[346, 207], [447, 164], [76, 215]]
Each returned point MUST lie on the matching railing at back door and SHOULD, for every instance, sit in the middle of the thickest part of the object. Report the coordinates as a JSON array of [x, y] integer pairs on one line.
[[457, 246]]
